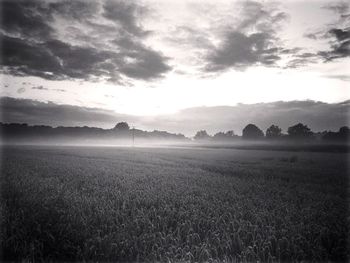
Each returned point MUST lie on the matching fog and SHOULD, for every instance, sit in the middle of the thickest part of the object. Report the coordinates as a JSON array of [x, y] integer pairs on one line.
[[89, 141]]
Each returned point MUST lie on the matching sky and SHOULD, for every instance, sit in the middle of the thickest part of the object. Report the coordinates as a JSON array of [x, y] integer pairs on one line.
[[157, 58]]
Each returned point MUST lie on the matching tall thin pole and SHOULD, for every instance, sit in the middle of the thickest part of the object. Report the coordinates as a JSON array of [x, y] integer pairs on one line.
[[133, 136]]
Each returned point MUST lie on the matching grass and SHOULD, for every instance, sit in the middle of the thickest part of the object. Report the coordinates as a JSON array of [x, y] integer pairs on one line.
[[158, 204]]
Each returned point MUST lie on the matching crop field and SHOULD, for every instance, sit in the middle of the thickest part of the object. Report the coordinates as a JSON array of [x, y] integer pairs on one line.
[[173, 205]]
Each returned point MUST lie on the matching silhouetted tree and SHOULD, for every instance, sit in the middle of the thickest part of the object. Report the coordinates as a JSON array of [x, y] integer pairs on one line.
[[300, 131], [22, 132], [273, 132], [341, 136], [219, 135], [251, 131], [230, 134], [344, 131], [224, 135], [201, 135], [122, 126]]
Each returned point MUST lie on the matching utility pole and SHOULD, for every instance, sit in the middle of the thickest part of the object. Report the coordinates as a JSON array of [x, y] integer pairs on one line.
[[133, 136]]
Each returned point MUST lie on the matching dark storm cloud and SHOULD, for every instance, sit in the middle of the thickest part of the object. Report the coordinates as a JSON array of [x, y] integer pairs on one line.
[[340, 34], [126, 14], [26, 18], [30, 46], [253, 41], [21, 57], [318, 116], [49, 113], [137, 60], [78, 10], [241, 50], [340, 45]]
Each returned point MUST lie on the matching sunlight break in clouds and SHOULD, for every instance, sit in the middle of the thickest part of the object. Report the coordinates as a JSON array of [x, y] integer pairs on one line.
[[158, 57]]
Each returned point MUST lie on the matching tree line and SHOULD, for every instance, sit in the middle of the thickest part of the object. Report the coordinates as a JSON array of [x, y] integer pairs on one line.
[[122, 130], [298, 131]]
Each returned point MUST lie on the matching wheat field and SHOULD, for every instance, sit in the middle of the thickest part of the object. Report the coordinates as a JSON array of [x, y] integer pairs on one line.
[[172, 205]]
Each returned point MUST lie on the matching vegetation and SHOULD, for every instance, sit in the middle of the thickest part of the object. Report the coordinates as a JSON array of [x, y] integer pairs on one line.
[[202, 135], [342, 135], [23, 133], [225, 136], [297, 132], [274, 132], [122, 126], [15, 132], [172, 205], [251, 131], [300, 131]]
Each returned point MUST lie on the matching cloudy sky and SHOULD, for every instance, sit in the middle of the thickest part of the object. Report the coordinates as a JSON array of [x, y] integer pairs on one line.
[[159, 58]]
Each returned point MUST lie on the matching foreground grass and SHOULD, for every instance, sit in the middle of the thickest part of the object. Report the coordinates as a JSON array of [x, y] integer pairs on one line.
[[144, 204]]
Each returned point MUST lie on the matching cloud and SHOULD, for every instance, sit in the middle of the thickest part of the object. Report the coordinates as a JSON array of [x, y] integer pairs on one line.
[[318, 116], [340, 34], [22, 57], [48, 113], [300, 59], [59, 90], [21, 90], [40, 88], [251, 41], [340, 7], [138, 61], [337, 33], [26, 18], [46, 89], [340, 45], [37, 41], [76, 10], [340, 77], [239, 50], [126, 14]]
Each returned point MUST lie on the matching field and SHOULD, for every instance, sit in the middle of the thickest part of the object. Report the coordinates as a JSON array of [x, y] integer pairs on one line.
[[172, 204]]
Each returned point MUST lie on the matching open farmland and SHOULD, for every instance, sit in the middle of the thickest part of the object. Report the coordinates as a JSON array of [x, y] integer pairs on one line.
[[177, 204]]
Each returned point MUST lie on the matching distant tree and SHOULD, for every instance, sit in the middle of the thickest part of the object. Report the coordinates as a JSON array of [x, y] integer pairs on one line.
[[219, 135], [201, 135], [342, 135], [225, 135], [251, 131], [122, 126], [300, 131], [230, 134], [344, 131], [273, 132]]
